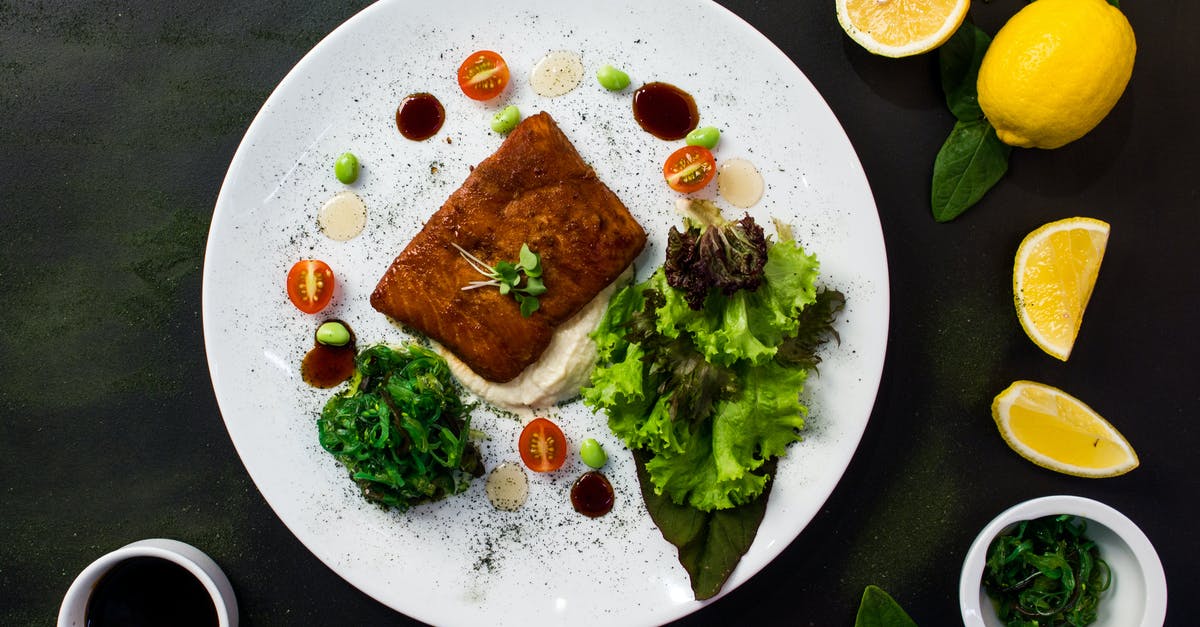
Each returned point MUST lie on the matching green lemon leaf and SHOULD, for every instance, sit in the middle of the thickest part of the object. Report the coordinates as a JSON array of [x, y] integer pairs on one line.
[[959, 59], [879, 609], [971, 161], [1115, 3]]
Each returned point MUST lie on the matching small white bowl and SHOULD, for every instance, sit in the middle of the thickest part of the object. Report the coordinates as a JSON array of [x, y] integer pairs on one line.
[[74, 605], [1138, 594]]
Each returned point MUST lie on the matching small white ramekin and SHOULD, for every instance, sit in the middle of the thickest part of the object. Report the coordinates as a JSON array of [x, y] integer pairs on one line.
[[1138, 594], [74, 605]]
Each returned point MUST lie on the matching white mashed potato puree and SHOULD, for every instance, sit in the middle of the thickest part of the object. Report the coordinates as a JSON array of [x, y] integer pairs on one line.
[[560, 372]]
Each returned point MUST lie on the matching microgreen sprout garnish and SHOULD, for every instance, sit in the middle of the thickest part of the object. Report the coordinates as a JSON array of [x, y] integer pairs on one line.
[[506, 276]]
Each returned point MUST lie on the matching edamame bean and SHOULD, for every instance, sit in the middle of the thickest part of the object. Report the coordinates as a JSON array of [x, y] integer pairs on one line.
[[611, 78], [346, 168], [706, 136], [333, 333], [506, 119], [592, 453]]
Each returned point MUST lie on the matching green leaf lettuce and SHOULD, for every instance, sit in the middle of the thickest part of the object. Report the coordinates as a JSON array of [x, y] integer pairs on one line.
[[701, 390]]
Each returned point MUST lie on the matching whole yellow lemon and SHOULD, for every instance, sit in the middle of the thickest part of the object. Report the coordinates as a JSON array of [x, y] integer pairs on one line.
[[1055, 70]]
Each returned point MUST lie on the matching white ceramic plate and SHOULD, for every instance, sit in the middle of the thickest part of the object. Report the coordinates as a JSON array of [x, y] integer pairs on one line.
[[460, 561], [1138, 594]]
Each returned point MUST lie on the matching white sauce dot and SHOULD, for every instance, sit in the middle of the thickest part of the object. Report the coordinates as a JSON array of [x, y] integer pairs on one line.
[[556, 74], [507, 486], [343, 216], [739, 182]]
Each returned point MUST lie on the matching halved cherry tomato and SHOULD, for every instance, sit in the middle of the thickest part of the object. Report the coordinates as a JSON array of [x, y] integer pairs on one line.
[[543, 447], [310, 285], [483, 75], [689, 169]]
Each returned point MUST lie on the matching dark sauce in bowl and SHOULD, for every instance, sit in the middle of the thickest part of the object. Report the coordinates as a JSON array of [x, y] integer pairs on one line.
[[148, 591], [420, 116], [665, 111], [592, 495]]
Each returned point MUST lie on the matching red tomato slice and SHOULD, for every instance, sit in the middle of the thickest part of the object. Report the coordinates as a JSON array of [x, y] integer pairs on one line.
[[483, 75], [310, 285], [543, 447], [689, 169]]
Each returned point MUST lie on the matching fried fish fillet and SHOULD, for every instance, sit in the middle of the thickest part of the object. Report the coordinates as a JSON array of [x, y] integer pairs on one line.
[[536, 190]]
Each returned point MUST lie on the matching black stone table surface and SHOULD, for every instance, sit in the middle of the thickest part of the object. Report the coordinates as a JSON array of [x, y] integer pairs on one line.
[[118, 121]]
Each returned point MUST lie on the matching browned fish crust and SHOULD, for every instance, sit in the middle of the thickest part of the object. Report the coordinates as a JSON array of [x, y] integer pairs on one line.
[[534, 189]]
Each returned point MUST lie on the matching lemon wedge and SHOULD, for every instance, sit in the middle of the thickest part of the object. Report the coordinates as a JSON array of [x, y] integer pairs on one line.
[[901, 28], [1057, 431], [1053, 276]]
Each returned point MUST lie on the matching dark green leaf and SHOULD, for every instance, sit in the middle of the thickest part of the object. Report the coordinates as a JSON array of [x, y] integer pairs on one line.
[[967, 166], [1115, 3], [879, 609], [710, 543], [816, 328], [959, 59]]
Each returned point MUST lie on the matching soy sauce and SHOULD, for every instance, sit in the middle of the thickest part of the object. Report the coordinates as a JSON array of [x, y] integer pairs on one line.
[[665, 111], [326, 366], [592, 495], [145, 591], [420, 116]]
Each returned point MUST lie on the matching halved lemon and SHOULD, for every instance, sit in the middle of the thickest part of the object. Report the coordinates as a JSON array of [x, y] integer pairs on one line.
[[901, 28], [1057, 431], [1053, 276]]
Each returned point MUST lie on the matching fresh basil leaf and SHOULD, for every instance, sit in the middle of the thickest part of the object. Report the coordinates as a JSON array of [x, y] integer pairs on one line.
[[879, 609], [710, 543], [959, 59], [971, 161]]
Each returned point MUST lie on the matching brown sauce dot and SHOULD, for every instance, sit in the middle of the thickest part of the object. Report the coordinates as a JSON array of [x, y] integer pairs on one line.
[[665, 111], [420, 116], [592, 495], [326, 366]]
